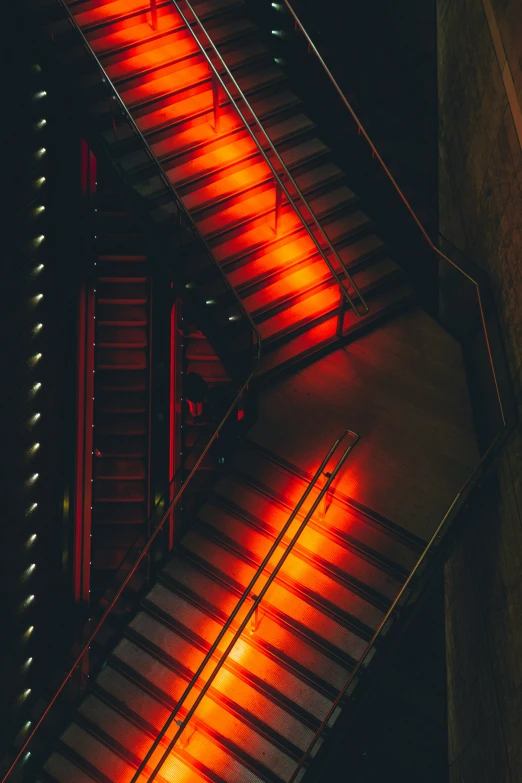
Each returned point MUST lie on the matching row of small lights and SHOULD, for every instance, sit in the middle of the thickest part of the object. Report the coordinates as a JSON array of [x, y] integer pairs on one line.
[[33, 363]]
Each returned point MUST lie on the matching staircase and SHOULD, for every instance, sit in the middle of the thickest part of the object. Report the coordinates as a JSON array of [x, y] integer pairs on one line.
[[121, 387], [270, 697], [226, 184], [264, 707]]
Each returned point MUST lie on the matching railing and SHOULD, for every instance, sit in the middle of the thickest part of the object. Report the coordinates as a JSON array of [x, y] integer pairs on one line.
[[456, 505], [252, 611], [471, 277], [281, 188], [477, 279]]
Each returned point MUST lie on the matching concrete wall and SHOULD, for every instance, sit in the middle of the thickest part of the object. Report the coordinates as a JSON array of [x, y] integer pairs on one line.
[[480, 202]]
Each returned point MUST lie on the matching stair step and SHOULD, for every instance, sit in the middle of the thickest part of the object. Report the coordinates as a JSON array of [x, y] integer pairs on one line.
[[122, 357], [279, 632], [152, 47], [301, 609], [262, 270], [117, 312], [118, 292], [63, 770], [328, 562], [266, 479], [323, 335], [121, 381], [120, 400], [111, 468], [247, 663], [118, 514], [120, 537], [248, 177], [228, 691], [200, 104], [180, 80], [95, 757], [218, 155], [119, 335], [121, 424], [115, 490]]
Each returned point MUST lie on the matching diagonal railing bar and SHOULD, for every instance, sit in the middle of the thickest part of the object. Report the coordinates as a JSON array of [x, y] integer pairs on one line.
[[246, 596], [281, 187], [375, 153], [453, 509]]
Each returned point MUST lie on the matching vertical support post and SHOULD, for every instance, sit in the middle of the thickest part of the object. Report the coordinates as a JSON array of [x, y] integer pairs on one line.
[[278, 202], [215, 99], [340, 315], [184, 738], [113, 117], [254, 620], [154, 14], [324, 502], [85, 394]]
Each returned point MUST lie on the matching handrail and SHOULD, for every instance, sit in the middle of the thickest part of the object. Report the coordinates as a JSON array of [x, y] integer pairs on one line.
[[194, 469], [247, 594], [375, 153], [457, 501], [286, 171]]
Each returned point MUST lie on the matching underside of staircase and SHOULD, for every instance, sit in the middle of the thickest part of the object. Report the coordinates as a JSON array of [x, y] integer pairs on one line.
[[264, 707]]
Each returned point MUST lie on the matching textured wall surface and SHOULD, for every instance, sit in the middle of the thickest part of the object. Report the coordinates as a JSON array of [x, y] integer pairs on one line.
[[480, 179]]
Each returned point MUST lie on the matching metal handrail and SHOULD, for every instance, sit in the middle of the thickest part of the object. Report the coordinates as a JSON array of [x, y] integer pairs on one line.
[[456, 504], [162, 174], [247, 594], [361, 130], [279, 181]]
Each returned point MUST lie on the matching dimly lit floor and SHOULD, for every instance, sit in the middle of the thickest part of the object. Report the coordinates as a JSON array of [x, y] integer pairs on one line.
[[398, 734]]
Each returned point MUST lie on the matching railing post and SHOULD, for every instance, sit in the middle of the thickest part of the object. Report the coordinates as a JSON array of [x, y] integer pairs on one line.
[[324, 507], [254, 620], [278, 201], [215, 98], [154, 14], [340, 315], [183, 740]]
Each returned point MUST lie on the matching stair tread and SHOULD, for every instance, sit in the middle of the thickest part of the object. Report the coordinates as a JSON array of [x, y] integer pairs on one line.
[[237, 692], [278, 638], [241, 572], [201, 102], [246, 660], [210, 725], [325, 333], [239, 147], [264, 478], [63, 770], [252, 173], [313, 545]]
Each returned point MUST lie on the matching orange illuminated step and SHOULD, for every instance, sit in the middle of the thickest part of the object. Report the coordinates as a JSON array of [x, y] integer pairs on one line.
[[305, 610], [217, 601]]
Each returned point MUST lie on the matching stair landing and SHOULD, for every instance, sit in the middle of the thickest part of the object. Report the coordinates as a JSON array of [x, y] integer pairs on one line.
[[403, 389]]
